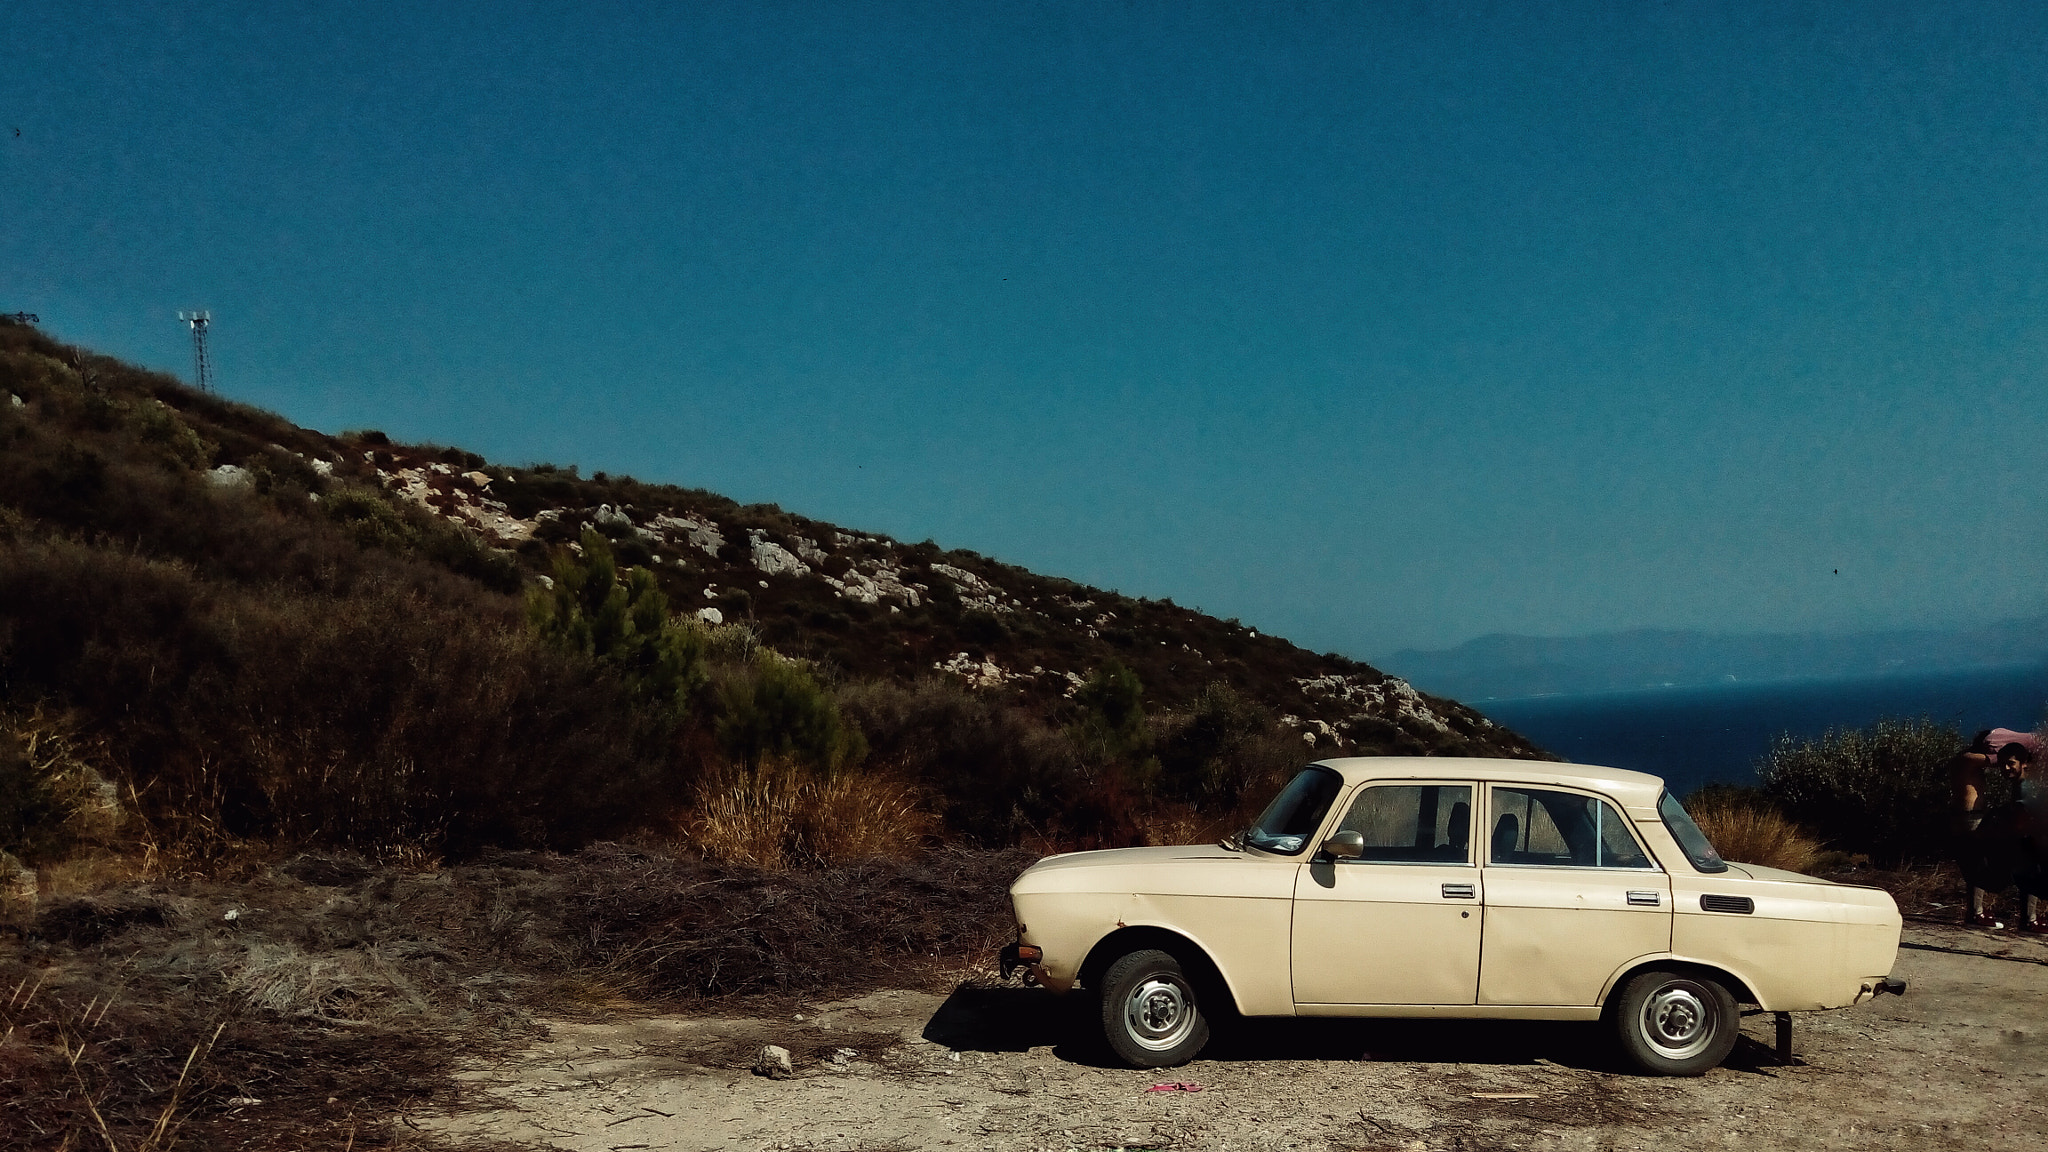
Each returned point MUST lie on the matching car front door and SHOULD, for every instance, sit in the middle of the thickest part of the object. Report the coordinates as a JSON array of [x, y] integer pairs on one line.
[[1571, 897], [1399, 924]]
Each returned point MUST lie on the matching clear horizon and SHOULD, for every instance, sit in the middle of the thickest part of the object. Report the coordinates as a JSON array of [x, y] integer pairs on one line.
[[1374, 329]]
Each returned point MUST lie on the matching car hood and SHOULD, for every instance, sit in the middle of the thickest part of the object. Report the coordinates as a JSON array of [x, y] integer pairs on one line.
[[1131, 857], [1759, 872], [1198, 870]]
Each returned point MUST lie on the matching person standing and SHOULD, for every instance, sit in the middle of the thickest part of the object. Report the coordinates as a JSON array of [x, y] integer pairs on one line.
[[2008, 845], [1967, 775], [2020, 759]]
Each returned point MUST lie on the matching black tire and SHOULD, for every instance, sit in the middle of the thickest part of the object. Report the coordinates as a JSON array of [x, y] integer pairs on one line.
[[1151, 1015], [1674, 1023]]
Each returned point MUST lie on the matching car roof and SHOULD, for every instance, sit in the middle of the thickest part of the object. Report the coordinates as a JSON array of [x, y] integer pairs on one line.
[[1633, 789]]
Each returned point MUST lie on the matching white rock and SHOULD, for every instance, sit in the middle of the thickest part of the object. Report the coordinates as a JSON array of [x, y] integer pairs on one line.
[[15, 400], [610, 517], [230, 476], [699, 533], [773, 1062], [977, 673], [711, 615], [884, 581], [1392, 698], [480, 479], [323, 467], [772, 558]]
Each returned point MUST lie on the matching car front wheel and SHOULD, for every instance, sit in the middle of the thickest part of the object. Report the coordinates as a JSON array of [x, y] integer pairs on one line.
[[1150, 1013], [1675, 1024]]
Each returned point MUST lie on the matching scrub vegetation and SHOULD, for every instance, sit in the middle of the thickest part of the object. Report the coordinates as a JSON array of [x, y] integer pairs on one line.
[[325, 758], [1878, 797], [277, 637]]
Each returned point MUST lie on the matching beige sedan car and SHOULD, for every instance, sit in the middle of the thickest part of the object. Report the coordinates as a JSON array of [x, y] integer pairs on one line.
[[1506, 889]]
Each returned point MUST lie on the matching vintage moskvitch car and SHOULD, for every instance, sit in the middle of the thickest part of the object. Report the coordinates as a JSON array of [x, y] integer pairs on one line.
[[1403, 887]]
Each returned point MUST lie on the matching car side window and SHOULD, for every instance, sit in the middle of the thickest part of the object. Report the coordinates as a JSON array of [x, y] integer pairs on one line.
[[1562, 829], [1413, 823]]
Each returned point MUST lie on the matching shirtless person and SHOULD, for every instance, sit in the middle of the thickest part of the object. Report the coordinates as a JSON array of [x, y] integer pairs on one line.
[[1966, 772], [2012, 844]]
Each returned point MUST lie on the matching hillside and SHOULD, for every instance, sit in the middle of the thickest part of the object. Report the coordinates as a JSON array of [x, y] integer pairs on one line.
[[263, 630]]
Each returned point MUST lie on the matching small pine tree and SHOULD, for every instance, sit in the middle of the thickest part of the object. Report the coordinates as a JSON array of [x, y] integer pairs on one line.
[[777, 709], [624, 624], [1113, 716]]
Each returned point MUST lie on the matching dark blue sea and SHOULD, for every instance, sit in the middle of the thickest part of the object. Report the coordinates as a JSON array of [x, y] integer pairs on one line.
[[1695, 736]]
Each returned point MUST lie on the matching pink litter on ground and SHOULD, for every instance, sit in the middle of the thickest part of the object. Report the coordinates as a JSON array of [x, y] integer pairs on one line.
[[1175, 1086]]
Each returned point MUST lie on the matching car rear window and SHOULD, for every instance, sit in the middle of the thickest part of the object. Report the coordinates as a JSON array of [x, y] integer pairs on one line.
[[1542, 826]]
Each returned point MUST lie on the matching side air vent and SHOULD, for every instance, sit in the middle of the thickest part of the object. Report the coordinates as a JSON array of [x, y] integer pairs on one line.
[[1740, 904]]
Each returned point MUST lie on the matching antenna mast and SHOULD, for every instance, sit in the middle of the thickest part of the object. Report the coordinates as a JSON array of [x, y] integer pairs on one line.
[[202, 366]]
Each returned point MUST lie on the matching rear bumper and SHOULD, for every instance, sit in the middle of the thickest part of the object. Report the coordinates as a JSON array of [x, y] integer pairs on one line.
[[1029, 957]]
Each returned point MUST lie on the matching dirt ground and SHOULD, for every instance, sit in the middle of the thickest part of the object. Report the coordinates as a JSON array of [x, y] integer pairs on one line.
[[1961, 1060]]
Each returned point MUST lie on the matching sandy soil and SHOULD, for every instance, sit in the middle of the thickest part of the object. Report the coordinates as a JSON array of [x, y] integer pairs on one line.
[[1962, 1060]]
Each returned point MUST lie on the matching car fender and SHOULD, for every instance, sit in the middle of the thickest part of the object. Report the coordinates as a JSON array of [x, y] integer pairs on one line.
[[1249, 956], [1738, 982]]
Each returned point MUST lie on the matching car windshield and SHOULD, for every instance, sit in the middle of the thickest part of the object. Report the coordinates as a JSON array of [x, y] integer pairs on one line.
[[1296, 813], [1694, 842]]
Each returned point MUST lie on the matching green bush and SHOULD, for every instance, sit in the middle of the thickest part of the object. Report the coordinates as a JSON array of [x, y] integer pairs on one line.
[[624, 624], [1216, 751], [1112, 719], [776, 708], [1883, 790]]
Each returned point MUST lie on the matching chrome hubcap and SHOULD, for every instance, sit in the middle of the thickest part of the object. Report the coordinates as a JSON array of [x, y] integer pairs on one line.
[[1160, 1012], [1675, 1019]]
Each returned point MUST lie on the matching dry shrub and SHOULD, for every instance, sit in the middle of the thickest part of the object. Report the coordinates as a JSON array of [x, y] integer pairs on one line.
[[1750, 832], [1183, 824], [383, 716], [782, 816], [53, 801], [660, 926]]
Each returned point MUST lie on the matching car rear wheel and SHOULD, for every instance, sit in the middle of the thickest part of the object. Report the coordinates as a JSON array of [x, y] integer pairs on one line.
[[1675, 1024], [1151, 1015]]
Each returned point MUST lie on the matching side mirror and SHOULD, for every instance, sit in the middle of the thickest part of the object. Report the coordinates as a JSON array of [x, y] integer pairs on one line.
[[1351, 844]]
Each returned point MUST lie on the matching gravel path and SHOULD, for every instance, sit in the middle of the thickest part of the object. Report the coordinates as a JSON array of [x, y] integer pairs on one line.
[[1962, 1060]]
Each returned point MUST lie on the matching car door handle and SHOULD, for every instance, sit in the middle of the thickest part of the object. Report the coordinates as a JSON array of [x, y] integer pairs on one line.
[[1644, 898], [1460, 892]]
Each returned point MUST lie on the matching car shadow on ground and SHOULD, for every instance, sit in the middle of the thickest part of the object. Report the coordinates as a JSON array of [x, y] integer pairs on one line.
[[1012, 1019]]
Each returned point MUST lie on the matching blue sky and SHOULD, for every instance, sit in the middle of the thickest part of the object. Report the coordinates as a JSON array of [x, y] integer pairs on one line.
[[1373, 325]]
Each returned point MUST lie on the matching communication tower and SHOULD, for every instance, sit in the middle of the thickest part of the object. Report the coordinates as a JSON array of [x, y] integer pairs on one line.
[[202, 366]]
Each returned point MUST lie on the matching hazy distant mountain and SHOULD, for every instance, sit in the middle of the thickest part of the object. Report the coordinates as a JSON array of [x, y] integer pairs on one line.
[[1504, 665]]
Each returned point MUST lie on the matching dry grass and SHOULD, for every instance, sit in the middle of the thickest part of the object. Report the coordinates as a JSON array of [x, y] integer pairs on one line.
[[661, 927], [783, 816], [1754, 833], [1184, 824]]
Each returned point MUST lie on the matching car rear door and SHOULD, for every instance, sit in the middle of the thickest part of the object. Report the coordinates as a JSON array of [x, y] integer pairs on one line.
[[1571, 897], [1400, 924]]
